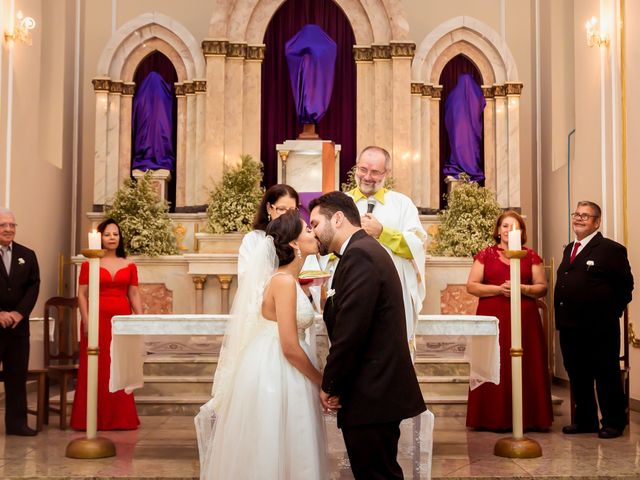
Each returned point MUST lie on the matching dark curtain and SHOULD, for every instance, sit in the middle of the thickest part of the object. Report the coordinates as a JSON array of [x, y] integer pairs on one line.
[[449, 79], [159, 63], [279, 122]]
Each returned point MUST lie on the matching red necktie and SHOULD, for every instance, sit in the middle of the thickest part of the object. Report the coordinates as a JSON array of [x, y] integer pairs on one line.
[[574, 252]]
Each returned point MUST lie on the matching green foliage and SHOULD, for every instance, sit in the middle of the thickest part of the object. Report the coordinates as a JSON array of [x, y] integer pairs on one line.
[[234, 201], [143, 218], [466, 226], [350, 184]]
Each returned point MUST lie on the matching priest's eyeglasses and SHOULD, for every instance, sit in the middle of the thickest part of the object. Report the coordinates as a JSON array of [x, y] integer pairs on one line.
[[8, 225], [374, 173], [282, 210], [582, 216]]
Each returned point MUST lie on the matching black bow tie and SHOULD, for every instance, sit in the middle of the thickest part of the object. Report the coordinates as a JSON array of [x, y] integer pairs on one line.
[[339, 255]]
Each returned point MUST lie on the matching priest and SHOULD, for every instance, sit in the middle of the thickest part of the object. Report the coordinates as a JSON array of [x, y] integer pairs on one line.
[[392, 219]]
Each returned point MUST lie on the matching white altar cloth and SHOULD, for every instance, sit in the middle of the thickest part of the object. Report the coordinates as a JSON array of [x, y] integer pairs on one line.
[[128, 331]]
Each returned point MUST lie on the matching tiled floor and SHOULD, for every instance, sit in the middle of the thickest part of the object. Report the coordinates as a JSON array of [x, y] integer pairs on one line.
[[165, 447]]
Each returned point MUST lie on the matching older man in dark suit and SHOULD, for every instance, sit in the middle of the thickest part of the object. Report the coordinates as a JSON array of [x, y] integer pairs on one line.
[[369, 369], [593, 288], [19, 286]]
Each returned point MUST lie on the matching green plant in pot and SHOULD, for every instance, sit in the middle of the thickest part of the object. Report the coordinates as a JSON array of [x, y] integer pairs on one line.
[[143, 218], [234, 201], [466, 225]]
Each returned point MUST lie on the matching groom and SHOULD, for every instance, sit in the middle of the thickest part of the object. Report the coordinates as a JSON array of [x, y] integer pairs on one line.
[[369, 370]]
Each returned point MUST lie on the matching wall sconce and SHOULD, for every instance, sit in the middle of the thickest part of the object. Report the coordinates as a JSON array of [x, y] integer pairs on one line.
[[595, 37], [21, 29]]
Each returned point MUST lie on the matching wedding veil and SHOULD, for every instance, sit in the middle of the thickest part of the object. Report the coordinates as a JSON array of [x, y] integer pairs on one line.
[[241, 327]]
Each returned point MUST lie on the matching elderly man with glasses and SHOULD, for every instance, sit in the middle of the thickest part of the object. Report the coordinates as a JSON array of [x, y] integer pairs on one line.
[[19, 286], [392, 219], [593, 288]]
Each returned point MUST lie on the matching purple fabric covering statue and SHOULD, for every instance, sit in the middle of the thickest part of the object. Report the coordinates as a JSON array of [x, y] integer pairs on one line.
[[153, 125], [463, 120], [311, 56]]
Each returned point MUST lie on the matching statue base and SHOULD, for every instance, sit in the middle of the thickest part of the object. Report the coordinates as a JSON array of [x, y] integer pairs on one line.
[[159, 179], [309, 132]]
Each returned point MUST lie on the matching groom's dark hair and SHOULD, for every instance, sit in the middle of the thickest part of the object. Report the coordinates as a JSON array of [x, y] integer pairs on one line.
[[283, 229], [333, 202]]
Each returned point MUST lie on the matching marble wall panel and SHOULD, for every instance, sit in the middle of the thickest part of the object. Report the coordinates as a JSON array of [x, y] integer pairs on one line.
[[502, 151], [196, 193], [513, 121], [124, 162], [252, 108], [213, 158], [156, 298], [181, 149], [100, 159], [233, 110], [425, 151], [383, 95], [440, 272], [365, 108], [434, 154], [187, 182], [454, 300], [490, 144], [416, 148], [402, 154]]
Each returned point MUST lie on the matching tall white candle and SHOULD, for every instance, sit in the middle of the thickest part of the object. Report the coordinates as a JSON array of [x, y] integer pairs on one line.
[[515, 239], [95, 241]]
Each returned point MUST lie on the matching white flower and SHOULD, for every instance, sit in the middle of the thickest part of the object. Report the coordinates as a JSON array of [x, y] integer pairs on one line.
[[330, 293], [590, 264], [20, 261]]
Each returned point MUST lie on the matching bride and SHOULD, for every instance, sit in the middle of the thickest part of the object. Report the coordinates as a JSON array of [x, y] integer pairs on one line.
[[264, 420]]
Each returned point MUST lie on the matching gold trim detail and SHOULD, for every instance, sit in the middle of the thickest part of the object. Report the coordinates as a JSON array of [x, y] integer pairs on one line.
[[436, 91], [487, 91], [98, 447], [403, 49], [416, 88], [215, 47], [199, 281], [101, 84], [200, 86], [93, 350], [514, 88], [180, 232], [524, 447], [116, 87], [179, 89], [499, 90], [362, 54], [237, 50], [128, 88], [189, 88], [516, 352], [256, 52], [381, 52], [633, 340], [225, 281]]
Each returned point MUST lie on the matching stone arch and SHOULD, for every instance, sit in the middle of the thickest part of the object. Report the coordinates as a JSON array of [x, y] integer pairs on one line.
[[131, 39]]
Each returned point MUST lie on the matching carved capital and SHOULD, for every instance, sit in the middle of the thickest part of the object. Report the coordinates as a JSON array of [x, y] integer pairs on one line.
[[215, 47], [199, 281], [116, 87], [225, 281], [255, 52], [189, 88], [237, 50], [487, 91], [416, 88], [499, 90], [101, 84], [514, 88], [180, 89], [436, 91], [200, 86], [403, 49], [362, 54], [128, 88], [381, 51]]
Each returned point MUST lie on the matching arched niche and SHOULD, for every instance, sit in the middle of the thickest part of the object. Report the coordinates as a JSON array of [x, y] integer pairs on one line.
[[489, 53]]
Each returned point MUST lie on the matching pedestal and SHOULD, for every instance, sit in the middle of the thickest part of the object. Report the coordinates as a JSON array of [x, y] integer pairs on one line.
[[159, 178], [302, 166]]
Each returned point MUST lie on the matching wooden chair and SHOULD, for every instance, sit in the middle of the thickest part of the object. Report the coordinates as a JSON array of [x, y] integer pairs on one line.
[[62, 353], [38, 375]]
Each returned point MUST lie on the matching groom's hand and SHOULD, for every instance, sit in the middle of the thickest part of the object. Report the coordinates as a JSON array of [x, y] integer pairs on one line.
[[329, 403]]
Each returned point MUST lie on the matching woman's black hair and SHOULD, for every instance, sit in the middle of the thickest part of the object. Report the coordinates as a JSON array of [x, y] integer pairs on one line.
[[120, 248], [271, 196], [284, 229]]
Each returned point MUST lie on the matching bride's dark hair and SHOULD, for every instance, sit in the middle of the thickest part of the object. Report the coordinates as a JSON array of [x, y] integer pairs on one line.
[[283, 229]]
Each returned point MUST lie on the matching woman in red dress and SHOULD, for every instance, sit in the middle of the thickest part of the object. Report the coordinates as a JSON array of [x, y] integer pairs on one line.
[[119, 295], [489, 405]]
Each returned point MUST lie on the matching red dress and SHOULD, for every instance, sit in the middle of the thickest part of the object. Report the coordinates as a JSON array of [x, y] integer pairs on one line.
[[489, 405], [116, 411]]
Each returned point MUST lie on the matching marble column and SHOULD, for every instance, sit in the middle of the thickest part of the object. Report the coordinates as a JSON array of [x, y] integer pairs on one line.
[[215, 52], [183, 180], [113, 139], [416, 143], [425, 146], [198, 283], [402, 154], [234, 104], [382, 87], [252, 96], [502, 152], [365, 102], [101, 88], [489, 139], [225, 285], [434, 171], [195, 194], [125, 156], [181, 142], [513, 91]]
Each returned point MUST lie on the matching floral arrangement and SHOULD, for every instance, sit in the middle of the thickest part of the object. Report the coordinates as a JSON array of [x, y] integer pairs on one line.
[[466, 225], [234, 201], [143, 218], [350, 184]]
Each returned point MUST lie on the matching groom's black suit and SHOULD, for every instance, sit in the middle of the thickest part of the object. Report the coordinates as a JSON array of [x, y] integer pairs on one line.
[[369, 365]]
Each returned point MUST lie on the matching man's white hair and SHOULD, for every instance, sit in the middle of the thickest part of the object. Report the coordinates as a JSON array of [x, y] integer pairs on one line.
[[6, 211]]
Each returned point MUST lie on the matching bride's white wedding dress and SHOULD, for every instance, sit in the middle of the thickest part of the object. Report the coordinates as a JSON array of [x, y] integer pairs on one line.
[[273, 426]]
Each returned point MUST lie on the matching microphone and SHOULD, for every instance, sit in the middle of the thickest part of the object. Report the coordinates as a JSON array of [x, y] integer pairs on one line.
[[371, 204]]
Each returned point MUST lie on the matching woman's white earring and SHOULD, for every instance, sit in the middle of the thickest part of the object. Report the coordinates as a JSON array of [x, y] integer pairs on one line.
[[269, 217], [299, 253]]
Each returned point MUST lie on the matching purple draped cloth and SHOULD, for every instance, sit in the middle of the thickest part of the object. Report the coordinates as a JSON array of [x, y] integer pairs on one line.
[[311, 56], [153, 125], [463, 121]]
